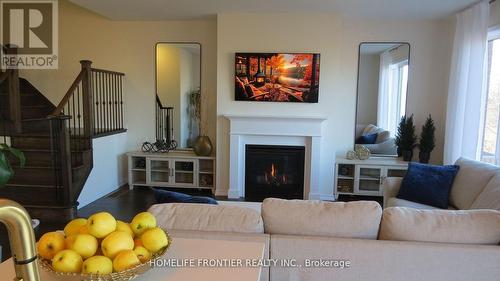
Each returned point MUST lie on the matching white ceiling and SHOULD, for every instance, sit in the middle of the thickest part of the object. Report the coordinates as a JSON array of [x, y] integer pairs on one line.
[[194, 9]]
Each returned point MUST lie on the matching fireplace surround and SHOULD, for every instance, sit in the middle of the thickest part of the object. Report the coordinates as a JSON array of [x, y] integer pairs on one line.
[[275, 130]]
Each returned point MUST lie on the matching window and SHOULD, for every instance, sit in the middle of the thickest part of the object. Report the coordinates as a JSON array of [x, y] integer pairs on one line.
[[490, 151], [398, 81]]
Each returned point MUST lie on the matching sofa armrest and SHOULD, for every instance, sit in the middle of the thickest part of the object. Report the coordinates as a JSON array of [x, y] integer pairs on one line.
[[391, 188]]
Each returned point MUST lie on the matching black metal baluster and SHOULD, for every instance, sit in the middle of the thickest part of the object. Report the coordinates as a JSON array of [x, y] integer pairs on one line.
[[103, 103], [121, 102], [117, 125], [113, 100], [107, 102], [110, 86]]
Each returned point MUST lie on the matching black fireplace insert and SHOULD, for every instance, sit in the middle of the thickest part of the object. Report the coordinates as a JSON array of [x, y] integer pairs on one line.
[[274, 171]]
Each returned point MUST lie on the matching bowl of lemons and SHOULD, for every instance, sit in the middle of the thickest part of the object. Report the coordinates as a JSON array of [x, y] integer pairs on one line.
[[103, 248]]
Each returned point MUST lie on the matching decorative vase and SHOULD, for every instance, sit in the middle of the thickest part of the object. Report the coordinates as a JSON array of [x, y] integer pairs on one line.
[[424, 157], [362, 152], [351, 155], [407, 155], [202, 146]]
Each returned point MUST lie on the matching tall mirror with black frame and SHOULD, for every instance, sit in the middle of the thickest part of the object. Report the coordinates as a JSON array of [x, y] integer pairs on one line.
[[178, 78], [382, 94]]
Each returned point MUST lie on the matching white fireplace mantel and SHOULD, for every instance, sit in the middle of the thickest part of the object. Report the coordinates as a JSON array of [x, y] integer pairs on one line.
[[274, 130]]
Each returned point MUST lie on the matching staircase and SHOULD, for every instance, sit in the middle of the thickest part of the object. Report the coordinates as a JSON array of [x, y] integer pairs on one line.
[[57, 140]]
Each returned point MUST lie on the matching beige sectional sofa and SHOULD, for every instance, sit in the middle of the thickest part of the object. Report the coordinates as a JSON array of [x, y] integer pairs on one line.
[[358, 239], [476, 186]]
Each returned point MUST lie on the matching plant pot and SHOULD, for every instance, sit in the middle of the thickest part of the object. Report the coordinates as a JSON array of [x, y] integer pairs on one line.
[[202, 146], [424, 157], [407, 155]]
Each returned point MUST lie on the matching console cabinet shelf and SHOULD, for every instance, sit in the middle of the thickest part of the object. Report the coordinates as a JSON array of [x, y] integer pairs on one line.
[[177, 169], [366, 177]]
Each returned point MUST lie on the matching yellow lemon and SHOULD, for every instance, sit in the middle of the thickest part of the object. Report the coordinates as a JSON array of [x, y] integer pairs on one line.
[[142, 253], [85, 245], [97, 265], [125, 227], [49, 244], [142, 222], [73, 227], [101, 224], [67, 261], [125, 260], [154, 239], [116, 242]]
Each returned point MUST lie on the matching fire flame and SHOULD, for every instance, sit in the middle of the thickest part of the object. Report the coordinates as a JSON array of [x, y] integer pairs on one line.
[[273, 170], [273, 177]]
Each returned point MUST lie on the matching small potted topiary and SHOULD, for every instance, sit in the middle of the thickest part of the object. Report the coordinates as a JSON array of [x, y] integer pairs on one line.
[[406, 138], [427, 140], [397, 139]]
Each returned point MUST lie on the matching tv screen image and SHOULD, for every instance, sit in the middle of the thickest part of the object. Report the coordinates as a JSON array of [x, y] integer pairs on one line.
[[277, 77]]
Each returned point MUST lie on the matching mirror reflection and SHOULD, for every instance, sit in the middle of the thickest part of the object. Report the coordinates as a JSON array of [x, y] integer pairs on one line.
[[178, 78], [382, 93]]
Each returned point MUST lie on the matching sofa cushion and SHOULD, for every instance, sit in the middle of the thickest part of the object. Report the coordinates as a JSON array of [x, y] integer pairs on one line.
[[204, 217], [428, 184], [441, 226], [470, 181], [489, 198], [359, 219]]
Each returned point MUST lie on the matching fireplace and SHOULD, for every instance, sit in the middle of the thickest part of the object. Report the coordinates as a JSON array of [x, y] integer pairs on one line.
[[274, 171]]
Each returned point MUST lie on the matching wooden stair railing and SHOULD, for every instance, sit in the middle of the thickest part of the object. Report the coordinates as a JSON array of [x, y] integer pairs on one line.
[[60, 140], [12, 78], [92, 107]]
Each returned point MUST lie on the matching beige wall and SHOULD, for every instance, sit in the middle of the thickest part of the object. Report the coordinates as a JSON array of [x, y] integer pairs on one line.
[[129, 47], [337, 40]]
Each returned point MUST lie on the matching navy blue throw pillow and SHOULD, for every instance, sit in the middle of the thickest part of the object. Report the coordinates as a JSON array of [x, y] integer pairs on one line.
[[165, 196], [428, 184], [367, 139]]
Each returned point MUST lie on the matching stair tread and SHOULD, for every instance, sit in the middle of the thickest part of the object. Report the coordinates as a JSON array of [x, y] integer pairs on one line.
[[29, 185], [48, 150], [34, 106], [43, 167]]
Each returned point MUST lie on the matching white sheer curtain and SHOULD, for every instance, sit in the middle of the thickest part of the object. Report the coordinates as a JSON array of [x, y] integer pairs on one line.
[[383, 91], [392, 88], [466, 94]]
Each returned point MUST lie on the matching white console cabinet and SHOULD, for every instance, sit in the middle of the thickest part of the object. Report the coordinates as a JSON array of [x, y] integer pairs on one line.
[[365, 177], [177, 169]]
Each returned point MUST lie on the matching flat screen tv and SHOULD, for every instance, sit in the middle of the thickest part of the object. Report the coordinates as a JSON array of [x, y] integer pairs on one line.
[[277, 77]]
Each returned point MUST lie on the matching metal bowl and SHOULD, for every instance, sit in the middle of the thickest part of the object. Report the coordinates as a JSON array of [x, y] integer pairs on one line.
[[125, 275]]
